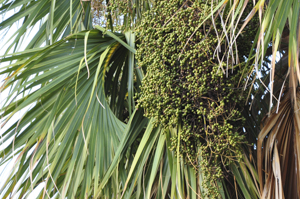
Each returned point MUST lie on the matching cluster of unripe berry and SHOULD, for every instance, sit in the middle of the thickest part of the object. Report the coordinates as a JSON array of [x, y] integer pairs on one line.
[[185, 86]]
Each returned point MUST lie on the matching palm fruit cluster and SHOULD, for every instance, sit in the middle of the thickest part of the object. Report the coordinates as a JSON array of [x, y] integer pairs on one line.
[[185, 86]]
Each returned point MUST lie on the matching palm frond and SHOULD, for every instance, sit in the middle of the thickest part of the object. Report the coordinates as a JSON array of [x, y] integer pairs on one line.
[[45, 21], [277, 150], [69, 129]]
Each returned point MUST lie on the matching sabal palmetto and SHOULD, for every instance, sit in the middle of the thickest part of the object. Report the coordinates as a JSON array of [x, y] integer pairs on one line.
[[80, 134]]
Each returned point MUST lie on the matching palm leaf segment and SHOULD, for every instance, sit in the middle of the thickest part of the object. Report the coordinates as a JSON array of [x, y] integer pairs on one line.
[[277, 155], [69, 128], [54, 20]]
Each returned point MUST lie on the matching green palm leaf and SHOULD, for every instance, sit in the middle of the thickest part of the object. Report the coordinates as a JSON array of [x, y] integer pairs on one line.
[[55, 19], [69, 128]]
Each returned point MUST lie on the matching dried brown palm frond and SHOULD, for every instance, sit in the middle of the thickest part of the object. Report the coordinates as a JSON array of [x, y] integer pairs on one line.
[[278, 148]]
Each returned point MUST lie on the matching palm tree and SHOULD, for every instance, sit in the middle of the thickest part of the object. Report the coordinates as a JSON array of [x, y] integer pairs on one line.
[[81, 84]]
